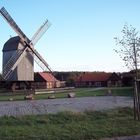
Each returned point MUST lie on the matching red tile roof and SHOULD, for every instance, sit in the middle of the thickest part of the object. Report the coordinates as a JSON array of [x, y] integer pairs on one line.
[[94, 76], [47, 76]]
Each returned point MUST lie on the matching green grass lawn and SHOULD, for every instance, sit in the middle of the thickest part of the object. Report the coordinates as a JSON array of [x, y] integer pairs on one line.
[[89, 92], [116, 91], [70, 126], [80, 92]]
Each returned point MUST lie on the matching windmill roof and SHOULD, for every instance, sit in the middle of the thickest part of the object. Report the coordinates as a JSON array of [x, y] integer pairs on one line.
[[11, 44]]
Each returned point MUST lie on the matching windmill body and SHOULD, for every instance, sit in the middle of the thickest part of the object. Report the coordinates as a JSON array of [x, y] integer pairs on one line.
[[19, 53], [24, 70]]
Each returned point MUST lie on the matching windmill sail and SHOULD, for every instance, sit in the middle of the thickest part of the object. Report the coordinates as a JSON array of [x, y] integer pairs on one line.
[[13, 24], [43, 64], [40, 32]]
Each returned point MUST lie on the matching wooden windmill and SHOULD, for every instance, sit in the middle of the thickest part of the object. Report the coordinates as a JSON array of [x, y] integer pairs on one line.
[[19, 53]]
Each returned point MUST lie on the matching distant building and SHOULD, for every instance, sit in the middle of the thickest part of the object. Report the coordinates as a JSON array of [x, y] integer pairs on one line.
[[98, 79], [45, 80]]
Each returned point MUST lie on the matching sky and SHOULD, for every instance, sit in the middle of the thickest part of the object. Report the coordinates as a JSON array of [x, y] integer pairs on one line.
[[81, 35]]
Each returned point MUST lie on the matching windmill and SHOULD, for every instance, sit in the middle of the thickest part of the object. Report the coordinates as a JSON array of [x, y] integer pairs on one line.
[[19, 53]]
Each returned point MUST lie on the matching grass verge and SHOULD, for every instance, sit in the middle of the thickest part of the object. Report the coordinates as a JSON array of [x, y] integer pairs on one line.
[[70, 126]]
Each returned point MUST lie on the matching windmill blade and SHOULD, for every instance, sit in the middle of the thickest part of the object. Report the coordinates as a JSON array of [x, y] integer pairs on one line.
[[13, 24], [40, 32], [41, 59]]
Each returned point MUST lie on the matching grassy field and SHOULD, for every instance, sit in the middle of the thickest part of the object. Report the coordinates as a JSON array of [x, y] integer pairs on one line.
[[80, 92], [70, 126]]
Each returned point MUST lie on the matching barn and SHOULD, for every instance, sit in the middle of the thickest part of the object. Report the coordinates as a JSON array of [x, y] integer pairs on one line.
[[97, 79]]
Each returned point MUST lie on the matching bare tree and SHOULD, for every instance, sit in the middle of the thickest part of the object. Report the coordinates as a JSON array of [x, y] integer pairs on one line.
[[129, 51]]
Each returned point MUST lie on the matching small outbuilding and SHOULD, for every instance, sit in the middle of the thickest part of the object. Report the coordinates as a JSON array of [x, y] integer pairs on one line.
[[45, 80]]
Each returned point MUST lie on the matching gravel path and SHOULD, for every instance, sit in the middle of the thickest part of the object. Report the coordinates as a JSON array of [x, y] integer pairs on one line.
[[17, 108]]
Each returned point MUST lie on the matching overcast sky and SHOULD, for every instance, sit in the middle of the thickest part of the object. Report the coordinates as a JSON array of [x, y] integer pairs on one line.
[[82, 31]]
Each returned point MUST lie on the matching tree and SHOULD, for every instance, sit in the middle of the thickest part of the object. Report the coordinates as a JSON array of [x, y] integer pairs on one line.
[[129, 51]]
